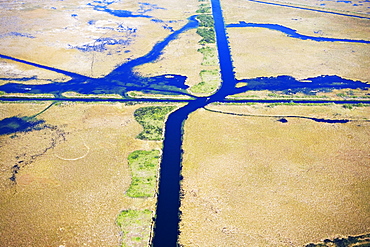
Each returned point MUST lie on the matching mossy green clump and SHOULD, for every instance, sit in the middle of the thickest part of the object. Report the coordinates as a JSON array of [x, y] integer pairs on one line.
[[204, 8], [210, 82], [152, 119], [144, 167], [207, 34], [135, 226], [205, 20], [348, 106], [206, 29], [209, 56]]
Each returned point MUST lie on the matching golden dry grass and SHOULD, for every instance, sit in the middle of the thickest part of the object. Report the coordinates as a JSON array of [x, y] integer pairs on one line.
[[305, 22], [10, 69], [179, 57], [260, 52], [53, 42], [72, 194], [254, 181]]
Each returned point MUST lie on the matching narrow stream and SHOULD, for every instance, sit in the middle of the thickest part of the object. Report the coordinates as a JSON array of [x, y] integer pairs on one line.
[[166, 228]]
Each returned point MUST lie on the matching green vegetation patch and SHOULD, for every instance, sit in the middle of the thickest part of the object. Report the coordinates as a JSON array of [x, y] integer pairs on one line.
[[205, 20], [209, 56], [210, 82], [135, 226], [206, 29], [207, 34], [152, 119], [204, 8], [144, 167]]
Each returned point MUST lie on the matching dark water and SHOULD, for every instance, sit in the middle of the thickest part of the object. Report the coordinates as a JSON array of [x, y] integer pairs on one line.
[[18, 124], [166, 229], [293, 33], [309, 86]]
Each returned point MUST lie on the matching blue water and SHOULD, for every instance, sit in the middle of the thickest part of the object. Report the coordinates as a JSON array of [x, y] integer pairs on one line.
[[141, 12], [120, 13], [18, 124], [122, 79], [226, 64], [293, 33], [17, 34], [166, 229], [119, 81], [309, 9], [100, 45], [309, 86], [104, 6]]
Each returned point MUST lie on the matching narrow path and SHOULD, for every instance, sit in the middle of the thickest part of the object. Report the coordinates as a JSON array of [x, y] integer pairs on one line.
[[309, 9], [283, 117]]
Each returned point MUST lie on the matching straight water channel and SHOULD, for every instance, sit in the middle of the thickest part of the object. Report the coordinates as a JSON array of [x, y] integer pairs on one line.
[[166, 228]]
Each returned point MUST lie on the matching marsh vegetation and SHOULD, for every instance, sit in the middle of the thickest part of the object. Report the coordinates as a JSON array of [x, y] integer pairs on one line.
[[209, 55], [206, 29], [152, 119], [144, 167], [135, 227], [210, 82]]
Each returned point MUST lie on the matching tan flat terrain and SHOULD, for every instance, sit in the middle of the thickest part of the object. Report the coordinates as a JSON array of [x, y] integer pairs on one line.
[[180, 57], [71, 194], [55, 44], [255, 181], [258, 52]]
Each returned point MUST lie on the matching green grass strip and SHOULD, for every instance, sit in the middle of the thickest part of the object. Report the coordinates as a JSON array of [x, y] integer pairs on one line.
[[210, 82], [135, 226], [152, 119], [209, 56], [144, 168]]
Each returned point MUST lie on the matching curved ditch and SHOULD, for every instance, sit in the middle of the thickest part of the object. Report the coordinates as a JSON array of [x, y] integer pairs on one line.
[[293, 33]]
